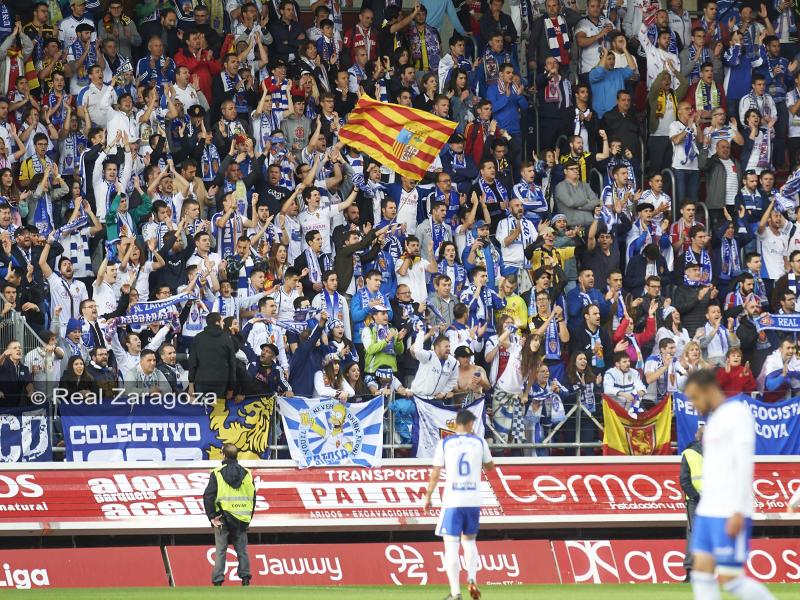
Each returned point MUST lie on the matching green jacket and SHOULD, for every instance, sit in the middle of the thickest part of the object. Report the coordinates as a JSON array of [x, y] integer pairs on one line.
[[652, 97], [375, 355], [112, 231]]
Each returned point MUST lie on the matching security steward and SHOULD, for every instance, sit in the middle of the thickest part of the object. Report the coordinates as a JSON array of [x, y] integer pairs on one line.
[[229, 500], [691, 480]]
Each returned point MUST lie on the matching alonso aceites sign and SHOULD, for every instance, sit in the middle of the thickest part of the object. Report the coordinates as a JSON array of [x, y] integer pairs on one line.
[[550, 492]]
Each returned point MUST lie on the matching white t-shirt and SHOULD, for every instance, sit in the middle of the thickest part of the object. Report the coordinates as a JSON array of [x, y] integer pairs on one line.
[[590, 55], [731, 181], [514, 253], [319, 220], [794, 120], [106, 298], [511, 380], [462, 455], [773, 249], [678, 153], [68, 295], [414, 278], [407, 210], [728, 448]]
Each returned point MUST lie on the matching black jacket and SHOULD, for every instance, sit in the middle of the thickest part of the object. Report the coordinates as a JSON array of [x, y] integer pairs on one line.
[[233, 473], [582, 341], [212, 364], [687, 301]]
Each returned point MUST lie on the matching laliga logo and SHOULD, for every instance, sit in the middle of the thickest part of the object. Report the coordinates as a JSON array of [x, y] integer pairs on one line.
[[409, 561], [587, 556]]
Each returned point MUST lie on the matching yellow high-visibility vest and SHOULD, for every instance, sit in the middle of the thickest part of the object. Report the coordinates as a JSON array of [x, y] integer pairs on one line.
[[695, 461], [237, 502]]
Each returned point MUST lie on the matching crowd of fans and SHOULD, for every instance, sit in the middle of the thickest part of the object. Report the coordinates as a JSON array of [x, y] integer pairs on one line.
[[193, 148]]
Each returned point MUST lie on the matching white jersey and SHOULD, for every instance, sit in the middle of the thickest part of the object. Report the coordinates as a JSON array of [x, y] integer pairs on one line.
[[462, 455], [729, 443]]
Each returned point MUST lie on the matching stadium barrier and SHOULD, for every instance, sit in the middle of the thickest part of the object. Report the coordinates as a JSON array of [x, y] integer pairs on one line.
[[115, 498], [389, 563]]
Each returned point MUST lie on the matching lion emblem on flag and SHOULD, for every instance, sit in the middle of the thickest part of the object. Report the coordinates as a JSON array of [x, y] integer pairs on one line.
[[641, 440], [249, 433]]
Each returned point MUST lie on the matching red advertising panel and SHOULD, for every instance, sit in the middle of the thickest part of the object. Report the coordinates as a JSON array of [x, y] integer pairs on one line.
[[403, 563], [120, 498], [661, 561], [82, 567]]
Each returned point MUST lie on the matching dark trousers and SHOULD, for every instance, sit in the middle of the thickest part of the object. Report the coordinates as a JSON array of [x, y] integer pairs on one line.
[[659, 154], [781, 125], [793, 147], [691, 506], [223, 537]]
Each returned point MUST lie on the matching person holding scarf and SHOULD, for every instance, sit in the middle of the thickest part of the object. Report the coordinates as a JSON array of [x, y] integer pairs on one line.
[[740, 294], [644, 231], [618, 198], [551, 325], [382, 343], [449, 265], [155, 69], [544, 396], [757, 152], [82, 55], [482, 253], [482, 300], [492, 60], [663, 372], [508, 104], [726, 261], [719, 130], [72, 343], [739, 70], [230, 86], [507, 408], [455, 61], [445, 195], [693, 297], [555, 98], [362, 303], [491, 192], [714, 338], [434, 229], [534, 204], [624, 384], [778, 73], [683, 134], [313, 262], [705, 95], [461, 168], [708, 22], [515, 233], [332, 302]]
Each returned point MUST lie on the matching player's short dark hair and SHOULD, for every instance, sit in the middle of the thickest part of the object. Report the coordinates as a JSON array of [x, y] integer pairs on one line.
[[465, 417]]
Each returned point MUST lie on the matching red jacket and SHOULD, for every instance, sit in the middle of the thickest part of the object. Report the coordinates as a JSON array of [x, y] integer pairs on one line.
[[205, 69], [736, 381]]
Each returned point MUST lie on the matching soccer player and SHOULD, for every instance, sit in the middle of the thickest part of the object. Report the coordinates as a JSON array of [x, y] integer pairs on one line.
[[461, 455], [723, 523]]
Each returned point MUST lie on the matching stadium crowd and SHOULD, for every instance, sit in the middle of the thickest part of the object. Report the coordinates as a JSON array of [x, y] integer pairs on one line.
[[189, 153]]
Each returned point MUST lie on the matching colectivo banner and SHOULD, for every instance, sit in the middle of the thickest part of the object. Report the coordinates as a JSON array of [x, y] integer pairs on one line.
[[25, 435], [777, 424], [161, 432], [125, 500], [434, 421]]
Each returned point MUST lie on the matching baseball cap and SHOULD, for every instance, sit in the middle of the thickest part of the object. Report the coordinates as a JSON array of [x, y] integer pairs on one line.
[[463, 352], [480, 223], [379, 308], [83, 26], [644, 206], [272, 347]]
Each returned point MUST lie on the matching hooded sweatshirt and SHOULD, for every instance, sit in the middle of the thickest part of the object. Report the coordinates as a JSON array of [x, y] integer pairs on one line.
[[233, 473]]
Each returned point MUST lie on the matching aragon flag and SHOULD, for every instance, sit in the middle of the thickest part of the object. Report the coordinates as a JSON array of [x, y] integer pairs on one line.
[[646, 435], [404, 139]]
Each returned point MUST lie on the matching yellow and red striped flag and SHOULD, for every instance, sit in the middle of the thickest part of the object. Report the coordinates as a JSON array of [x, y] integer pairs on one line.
[[404, 139]]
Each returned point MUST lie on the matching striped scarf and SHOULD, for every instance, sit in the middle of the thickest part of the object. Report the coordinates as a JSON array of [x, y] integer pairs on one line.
[[558, 46], [705, 56], [706, 96], [785, 19]]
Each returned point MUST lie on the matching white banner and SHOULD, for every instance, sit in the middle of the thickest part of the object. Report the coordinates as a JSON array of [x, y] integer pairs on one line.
[[435, 421]]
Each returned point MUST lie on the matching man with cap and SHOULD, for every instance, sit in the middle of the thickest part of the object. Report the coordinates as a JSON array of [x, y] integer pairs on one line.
[[691, 299], [120, 28], [265, 376], [72, 341], [472, 379], [82, 55], [644, 231], [67, 28], [382, 343]]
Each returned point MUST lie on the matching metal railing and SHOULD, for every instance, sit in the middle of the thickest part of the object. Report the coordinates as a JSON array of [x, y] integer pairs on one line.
[[596, 174], [673, 186], [15, 328]]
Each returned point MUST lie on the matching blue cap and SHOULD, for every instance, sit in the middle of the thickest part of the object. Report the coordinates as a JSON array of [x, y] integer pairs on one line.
[[481, 223], [74, 324]]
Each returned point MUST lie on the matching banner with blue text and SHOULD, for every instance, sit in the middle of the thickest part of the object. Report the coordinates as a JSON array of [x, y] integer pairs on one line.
[[158, 431], [25, 435], [322, 432], [777, 424]]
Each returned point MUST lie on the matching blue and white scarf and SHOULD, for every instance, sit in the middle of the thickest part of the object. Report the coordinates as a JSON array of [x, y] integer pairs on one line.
[[209, 163], [71, 227], [705, 265], [730, 258], [43, 217], [785, 19], [82, 72], [491, 197], [552, 341]]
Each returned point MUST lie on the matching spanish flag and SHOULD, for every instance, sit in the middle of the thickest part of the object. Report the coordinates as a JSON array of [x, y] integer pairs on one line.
[[646, 435], [404, 139]]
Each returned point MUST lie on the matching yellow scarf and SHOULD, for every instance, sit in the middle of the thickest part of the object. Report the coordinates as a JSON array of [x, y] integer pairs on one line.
[[661, 103]]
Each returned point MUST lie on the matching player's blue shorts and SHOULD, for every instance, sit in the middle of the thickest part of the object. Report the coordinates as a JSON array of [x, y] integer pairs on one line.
[[708, 536], [455, 521]]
